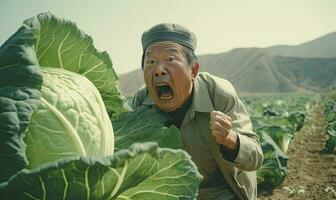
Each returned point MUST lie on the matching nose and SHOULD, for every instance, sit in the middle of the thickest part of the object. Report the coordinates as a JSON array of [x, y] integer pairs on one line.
[[160, 71]]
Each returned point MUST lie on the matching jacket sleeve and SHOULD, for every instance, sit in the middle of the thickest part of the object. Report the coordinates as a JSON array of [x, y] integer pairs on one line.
[[250, 155], [226, 100]]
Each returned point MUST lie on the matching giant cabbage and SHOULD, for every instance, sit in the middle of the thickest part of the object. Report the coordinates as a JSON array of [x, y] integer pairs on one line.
[[57, 97], [70, 120]]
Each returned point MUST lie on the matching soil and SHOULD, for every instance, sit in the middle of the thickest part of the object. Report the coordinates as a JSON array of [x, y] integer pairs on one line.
[[311, 172]]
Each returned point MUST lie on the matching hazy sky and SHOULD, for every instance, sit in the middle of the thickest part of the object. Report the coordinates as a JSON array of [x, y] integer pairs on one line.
[[220, 25]]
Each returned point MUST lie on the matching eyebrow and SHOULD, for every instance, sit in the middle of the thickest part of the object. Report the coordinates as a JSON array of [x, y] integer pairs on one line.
[[170, 50], [148, 53]]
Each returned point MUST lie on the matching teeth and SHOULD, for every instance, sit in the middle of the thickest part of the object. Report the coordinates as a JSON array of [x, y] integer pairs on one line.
[[166, 97], [164, 94], [161, 84]]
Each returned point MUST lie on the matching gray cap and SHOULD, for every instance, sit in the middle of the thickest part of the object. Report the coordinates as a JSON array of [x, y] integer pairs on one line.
[[169, 32]]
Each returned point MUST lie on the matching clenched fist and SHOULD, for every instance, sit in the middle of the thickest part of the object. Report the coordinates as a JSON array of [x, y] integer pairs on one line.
[[220, 125]]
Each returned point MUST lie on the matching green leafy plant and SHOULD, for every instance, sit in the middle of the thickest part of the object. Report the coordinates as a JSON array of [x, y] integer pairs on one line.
[[145, 125], [58, 96], [330, 116]]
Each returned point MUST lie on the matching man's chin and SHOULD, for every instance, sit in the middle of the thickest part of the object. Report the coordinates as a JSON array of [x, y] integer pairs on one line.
[[165, 105]]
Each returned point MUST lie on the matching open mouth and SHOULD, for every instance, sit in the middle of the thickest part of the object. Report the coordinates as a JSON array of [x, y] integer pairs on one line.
[[164, 91]]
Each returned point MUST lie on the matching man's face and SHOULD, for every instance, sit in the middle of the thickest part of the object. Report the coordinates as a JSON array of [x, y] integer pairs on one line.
[[167, 74]]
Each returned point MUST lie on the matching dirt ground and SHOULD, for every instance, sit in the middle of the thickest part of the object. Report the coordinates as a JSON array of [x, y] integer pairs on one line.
[[311, 173]]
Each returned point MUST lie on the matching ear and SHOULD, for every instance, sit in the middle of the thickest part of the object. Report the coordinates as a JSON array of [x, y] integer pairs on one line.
[[194, 70]]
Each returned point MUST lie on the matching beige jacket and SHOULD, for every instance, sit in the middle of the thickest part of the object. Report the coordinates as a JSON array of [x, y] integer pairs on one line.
[[213, 93]]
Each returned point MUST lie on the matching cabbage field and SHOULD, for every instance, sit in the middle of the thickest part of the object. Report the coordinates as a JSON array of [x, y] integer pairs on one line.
[[302, 162], [66, 132], [276, 119]]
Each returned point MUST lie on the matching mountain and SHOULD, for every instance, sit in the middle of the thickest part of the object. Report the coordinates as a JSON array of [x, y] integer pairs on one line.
[[256, 70], [310, 66], [322, 47]]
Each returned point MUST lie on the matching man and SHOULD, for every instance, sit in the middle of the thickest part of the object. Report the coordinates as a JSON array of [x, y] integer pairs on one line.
[[215, 127]]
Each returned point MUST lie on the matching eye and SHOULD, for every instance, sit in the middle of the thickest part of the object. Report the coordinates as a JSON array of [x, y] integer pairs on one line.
[[170, 59], [149, 62]]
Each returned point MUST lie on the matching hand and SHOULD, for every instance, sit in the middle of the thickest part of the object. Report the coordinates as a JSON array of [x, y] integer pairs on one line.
[[220, 125]]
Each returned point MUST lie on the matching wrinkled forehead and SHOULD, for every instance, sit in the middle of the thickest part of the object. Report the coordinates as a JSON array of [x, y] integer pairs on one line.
[[164, 47]]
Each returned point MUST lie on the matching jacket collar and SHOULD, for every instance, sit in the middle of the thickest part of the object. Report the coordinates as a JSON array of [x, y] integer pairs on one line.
[[201, 100]]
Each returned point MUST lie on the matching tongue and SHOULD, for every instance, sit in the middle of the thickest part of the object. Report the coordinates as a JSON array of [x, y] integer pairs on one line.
[[165, 92], [166, 95]]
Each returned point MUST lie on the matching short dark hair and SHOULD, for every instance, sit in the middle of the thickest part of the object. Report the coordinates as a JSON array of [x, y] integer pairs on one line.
[[190, 54]]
